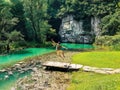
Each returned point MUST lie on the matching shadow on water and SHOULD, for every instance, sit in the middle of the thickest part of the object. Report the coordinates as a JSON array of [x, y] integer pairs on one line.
[[21, 52]]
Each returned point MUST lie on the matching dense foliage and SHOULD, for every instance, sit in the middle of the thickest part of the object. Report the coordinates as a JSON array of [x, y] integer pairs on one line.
[[85, 8], [35, 15], [38, 21], [111, 23], [8, 35], [23, 20], [108, 11], [109, 41]]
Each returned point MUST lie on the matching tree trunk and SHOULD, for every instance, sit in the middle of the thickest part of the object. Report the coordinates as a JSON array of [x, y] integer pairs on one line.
[[8, 48], [33, 24]]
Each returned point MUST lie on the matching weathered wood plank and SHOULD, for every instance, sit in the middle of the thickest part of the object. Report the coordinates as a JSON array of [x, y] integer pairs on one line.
[[62, 65]]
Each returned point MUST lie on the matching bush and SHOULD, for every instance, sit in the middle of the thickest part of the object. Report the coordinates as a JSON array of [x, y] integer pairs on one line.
[[46, 44], [116, 46], [112, 41], [107, 40]]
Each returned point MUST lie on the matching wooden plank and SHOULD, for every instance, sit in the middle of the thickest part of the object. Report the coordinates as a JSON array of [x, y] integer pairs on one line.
[[62, 65]]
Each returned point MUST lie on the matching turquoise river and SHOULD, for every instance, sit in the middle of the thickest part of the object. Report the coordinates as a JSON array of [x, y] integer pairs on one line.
[[21, 55]]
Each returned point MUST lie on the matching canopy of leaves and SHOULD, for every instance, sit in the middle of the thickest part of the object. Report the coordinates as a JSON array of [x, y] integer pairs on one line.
[[36, 19], [7, 22], [82, 8], [111, 24]]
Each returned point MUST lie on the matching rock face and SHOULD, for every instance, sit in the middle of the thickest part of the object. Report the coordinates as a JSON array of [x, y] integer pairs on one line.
[[95, 21], [73, 31]]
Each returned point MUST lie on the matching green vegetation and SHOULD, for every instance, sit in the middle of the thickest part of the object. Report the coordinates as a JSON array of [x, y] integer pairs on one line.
[[86, 8], [23, 22], [107, 11], [8, 35], [93, 81], [113, 42], [98, 59], [32, 23], [111, 23], [36, 19], [39, 21]]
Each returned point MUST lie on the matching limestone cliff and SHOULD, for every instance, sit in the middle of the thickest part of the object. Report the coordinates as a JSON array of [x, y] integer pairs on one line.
[[74, 31]]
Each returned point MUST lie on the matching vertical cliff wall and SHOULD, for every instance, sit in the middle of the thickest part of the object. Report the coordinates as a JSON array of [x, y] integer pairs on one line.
[[76, 31], [95, 22]]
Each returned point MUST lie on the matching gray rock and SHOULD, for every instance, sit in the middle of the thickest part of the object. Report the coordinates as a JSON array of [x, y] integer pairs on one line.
[[116, 71], [3, 70], [21, 63], [101, 72], [73, 31], [89, 69], [18, 65], [35, 69], [6, 77], [110, 72], [107, 69], [10, 72], [13, 88]]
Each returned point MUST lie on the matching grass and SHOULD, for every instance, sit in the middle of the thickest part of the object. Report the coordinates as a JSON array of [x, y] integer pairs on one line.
[[98, 59], [93, 81]]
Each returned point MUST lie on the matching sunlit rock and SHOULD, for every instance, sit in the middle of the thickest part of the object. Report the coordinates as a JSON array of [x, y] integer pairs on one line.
[[35, 69], [107, 69], [100, 71], [6, 77], [3, 70], [116, 71], [90, 69], [80, 31], [13, 88], [10, 72]]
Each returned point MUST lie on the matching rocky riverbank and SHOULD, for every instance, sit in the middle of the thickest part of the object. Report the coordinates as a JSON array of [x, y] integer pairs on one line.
[[42, 79]]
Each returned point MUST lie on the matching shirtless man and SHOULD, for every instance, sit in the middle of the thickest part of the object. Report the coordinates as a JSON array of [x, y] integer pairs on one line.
[[59, 50]]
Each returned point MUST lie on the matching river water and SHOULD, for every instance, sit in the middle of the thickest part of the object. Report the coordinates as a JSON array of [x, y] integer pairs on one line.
[[5, 84]]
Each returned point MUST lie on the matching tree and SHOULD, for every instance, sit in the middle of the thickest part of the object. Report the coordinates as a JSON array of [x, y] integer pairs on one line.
[[7, 34], [85, 8], [36, 19], [17, 11], [53, 7], [111, 24]]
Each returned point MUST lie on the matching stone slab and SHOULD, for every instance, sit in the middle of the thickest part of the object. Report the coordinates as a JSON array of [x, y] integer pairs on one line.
[[62, 65]]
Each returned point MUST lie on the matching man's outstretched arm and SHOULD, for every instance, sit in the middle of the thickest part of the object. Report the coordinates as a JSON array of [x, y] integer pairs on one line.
[[53, 42]]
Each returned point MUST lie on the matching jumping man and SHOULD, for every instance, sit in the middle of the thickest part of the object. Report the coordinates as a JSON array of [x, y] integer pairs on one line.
[[59, 50]]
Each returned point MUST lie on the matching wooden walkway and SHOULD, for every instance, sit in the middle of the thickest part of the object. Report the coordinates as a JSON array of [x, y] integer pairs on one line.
[[62, 65]]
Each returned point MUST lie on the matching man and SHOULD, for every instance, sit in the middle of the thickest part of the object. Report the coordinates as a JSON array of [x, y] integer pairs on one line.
[[59, 50]]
